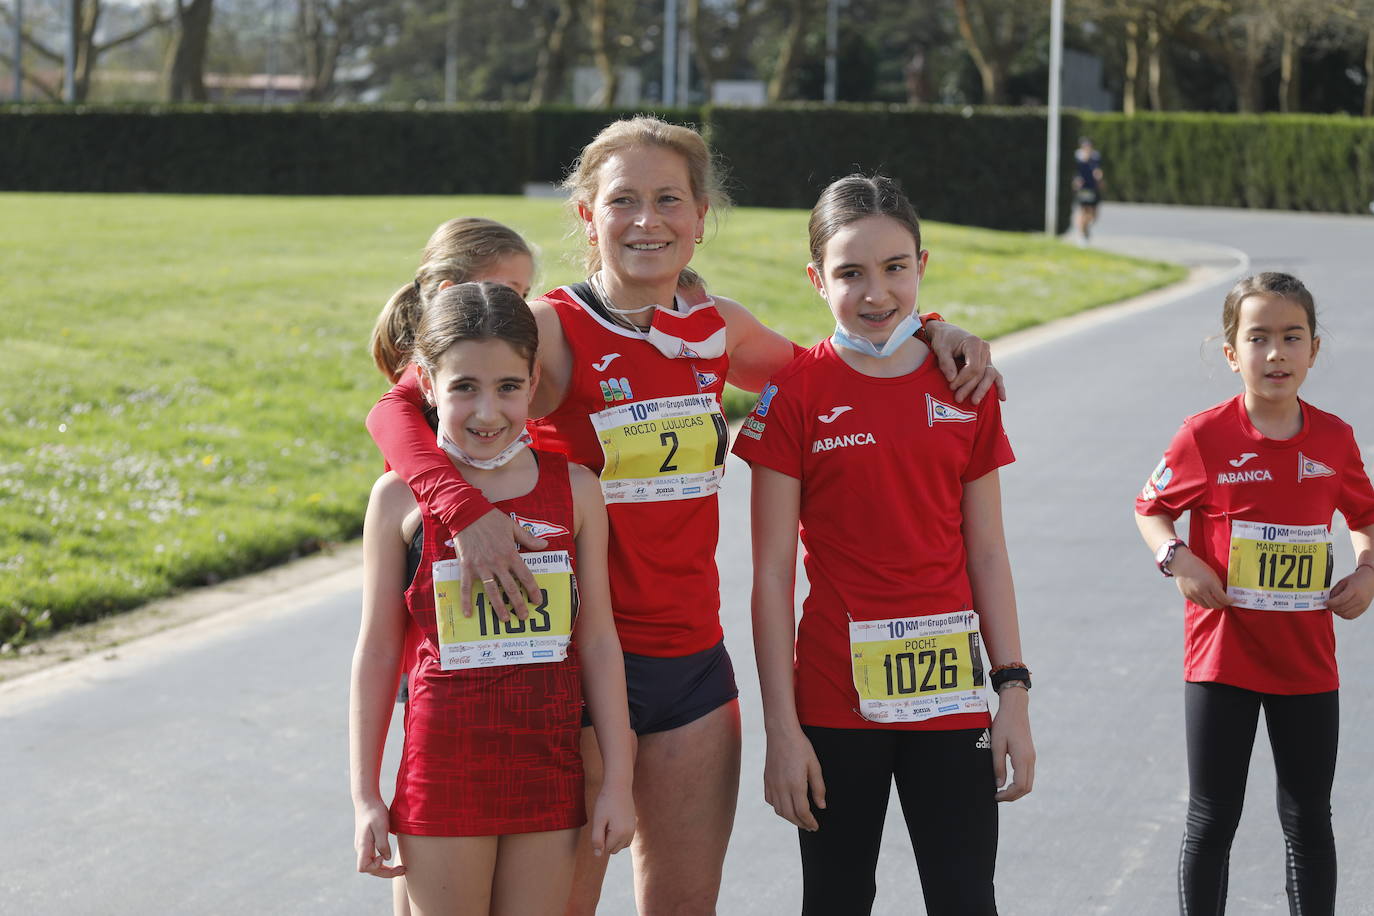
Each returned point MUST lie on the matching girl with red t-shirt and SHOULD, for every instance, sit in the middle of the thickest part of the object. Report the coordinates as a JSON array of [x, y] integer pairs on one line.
[[895, 487], [1261, 476], [490, 789]]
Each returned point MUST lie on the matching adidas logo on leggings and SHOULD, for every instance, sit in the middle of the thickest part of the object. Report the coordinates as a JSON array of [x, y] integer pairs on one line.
[[984, 742]]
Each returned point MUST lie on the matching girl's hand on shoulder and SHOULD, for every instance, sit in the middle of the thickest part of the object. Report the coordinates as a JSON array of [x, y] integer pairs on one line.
[[1350, 597], [971, 381], [792, 779], [613, 820], [372, 840], [1198, 582], [1011, 737]]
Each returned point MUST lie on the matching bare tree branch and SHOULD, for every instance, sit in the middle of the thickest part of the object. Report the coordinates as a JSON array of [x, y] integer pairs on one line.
[[52, 93]]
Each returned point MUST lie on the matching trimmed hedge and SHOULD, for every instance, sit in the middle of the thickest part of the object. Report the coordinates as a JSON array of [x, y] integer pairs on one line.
[[1280, 162], [295, 150], [982, 167], [560, 132]]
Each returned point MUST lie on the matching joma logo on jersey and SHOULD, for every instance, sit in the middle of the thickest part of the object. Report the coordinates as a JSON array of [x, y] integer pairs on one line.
[[616, 389], [1257, 476], [833, 442], [834, 413]]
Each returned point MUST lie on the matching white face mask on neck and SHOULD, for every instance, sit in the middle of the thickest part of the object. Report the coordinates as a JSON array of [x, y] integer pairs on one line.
[[485, 464], [903, 332]]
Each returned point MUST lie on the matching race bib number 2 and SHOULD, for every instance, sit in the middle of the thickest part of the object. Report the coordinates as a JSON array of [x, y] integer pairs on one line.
[[1279, 567], [910, 669], [662, 448], [483, 640]]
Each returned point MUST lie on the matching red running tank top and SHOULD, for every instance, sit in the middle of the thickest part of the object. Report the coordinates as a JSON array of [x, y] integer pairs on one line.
[[491, 751], [651, 427]]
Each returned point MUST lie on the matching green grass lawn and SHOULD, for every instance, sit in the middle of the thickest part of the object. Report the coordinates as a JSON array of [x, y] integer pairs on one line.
[[185, 378]]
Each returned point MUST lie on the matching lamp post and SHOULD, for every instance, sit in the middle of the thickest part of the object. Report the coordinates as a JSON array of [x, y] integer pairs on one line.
[[669, 94], [18, 50], [832, 41], [1052, 128], [73, 24]]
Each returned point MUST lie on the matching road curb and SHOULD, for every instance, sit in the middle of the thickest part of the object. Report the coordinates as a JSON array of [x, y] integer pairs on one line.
[[1208, 265], [72, 655]]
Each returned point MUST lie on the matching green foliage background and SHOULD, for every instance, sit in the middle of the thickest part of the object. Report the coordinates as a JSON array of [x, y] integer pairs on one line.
[[1281, 162]]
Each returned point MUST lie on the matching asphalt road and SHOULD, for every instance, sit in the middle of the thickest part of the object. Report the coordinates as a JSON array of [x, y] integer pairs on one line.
[[205, 770]]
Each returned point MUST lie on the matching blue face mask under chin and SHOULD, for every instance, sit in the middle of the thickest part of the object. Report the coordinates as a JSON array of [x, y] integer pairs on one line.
[[903, 332]]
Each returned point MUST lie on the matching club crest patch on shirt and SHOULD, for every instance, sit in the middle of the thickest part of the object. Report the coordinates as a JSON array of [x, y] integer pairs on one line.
[[1311, 467], [539, 529], [938, 411]]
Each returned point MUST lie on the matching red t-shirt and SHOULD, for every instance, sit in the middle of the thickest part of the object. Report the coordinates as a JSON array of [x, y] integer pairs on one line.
[[882, 464], [1222, 470], [660, 419]]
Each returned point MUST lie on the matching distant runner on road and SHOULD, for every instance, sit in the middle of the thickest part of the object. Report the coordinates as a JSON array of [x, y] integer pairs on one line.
[[1087, 186]]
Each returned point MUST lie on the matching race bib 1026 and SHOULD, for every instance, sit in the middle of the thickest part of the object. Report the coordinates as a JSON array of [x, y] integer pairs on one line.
[[663, 448], [1279, 567], [909, 669], [483, 640]]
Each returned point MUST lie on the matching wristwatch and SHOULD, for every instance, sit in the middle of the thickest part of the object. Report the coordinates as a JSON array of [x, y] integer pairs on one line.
[[1165, 555]]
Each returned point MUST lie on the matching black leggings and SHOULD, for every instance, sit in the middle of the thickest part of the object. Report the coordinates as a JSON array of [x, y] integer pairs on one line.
[[946, 785], [1221, 723]]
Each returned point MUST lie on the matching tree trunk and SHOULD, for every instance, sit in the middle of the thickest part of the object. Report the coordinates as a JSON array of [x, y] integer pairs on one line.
[[601, 50], [1130, 77], [553, 56], [1369, 74], [1244, 72], [323, 31], [701, 52], [987, 57], [1290, 72], [186, 57], [779, 85], [737, 41], [1154, 57], [88, 15]]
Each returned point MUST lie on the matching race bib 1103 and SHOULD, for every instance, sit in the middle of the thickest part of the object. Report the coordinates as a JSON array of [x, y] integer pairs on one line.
[[483, 640]]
